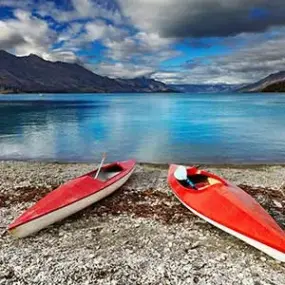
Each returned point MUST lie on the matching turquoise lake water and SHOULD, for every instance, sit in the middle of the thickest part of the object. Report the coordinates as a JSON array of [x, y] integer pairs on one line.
[[160, 128]]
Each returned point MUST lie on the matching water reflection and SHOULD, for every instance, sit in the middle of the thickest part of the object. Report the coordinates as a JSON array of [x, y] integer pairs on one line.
[[152, 128]]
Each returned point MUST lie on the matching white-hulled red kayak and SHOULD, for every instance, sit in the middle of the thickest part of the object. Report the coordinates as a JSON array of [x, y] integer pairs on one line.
[[229, 208], [72, 197]]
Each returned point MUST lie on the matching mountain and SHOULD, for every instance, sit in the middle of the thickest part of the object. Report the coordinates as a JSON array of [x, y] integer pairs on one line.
[[205, 88], [32, 74], [144, 84], [272, 83]]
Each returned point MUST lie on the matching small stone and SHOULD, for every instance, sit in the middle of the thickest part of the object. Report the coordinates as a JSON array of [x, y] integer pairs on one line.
[[196, 279], [277, 204], [6, 273], [195, 245], [222, 257], [247, 281], [263, 259]]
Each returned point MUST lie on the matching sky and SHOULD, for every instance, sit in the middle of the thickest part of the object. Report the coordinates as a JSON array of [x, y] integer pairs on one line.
[[174, 41]]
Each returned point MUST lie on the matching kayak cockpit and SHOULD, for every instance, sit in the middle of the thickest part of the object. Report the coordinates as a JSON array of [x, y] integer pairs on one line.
[[199, 181], [194, 179], [108, 172]]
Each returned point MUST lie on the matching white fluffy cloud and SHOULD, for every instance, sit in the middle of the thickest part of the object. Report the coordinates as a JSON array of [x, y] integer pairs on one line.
[[26, 34], [81, 10], [122, 70], [100, 30]]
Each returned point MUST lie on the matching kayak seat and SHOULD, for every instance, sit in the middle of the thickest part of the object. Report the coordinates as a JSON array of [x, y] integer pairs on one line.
[[202, 181], [104, 176], [201, 184], [109, 172], [199, 180], [213, 181]]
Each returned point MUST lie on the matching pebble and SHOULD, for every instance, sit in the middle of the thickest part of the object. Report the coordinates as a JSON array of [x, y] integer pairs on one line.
[[222, 257], [263, 259], [277, 204], [195, 245]]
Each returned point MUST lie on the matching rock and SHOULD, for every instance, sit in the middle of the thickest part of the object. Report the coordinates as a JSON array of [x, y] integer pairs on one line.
[[195, 279], [247, 281], [195, 245], [222, 257], [263, 259], [277, 204]]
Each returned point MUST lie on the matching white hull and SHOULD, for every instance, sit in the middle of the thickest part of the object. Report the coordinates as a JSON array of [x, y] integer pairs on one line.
[[276, 254], [35, 225]]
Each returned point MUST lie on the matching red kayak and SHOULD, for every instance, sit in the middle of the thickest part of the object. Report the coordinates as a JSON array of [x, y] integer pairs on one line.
[[72, 197], [227, 207]]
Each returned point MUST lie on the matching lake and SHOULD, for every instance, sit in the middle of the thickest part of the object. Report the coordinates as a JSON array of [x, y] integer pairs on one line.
[[159, 128]]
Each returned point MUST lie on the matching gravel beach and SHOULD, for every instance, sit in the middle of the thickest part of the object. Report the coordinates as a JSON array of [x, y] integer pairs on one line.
[[139, 235]]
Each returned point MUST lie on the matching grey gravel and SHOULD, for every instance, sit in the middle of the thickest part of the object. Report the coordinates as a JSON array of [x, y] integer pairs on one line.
[[139, 235]]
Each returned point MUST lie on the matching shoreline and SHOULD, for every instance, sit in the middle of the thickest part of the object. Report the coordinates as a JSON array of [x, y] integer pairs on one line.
[[139, 235], [251, 165]]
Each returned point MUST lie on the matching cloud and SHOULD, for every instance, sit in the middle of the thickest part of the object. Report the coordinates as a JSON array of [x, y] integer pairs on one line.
[[122, 70], [100, 30], [9, 37], [81, 10], [23, 4], [203, 18], [25, 34], [244, 65], [62, 55], [136, 55], [140, 48]]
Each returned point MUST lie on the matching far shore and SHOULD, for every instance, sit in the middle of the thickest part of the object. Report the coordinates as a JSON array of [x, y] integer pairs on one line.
[[242, 165], [139, 235]]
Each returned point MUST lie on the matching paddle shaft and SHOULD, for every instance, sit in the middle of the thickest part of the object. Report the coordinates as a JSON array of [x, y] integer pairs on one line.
[[101, 164]]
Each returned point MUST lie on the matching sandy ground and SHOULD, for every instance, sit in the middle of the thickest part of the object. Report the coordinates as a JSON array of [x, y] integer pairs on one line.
[[139, 235]]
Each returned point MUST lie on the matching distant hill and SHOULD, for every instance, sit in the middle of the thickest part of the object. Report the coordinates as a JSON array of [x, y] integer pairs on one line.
[[32, 74], [205, 88], [272, 83], [144, 85]]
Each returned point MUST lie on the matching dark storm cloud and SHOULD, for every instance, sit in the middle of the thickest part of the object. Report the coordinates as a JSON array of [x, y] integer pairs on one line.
[[204, 18]]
